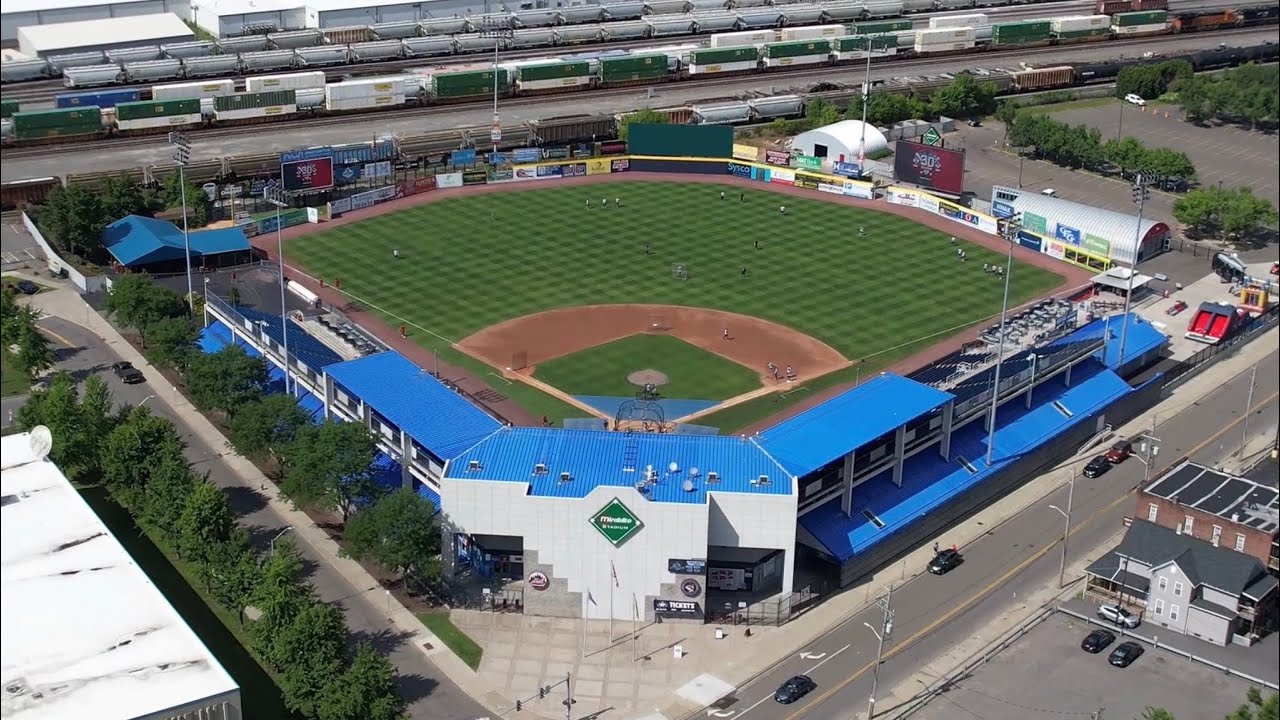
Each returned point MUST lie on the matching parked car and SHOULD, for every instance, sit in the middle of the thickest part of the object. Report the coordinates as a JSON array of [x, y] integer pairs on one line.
[[128, 374], [1097, 467], [1119, 452], [794, 689], [1119, 616], [1133, 99], [1097, 641], [1049, 192], [26, 287], [945, 561], [1125, 653]]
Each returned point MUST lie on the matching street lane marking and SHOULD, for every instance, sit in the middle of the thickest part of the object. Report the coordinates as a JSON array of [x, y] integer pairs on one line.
[[55, 335], [983, 592], [833, 657]]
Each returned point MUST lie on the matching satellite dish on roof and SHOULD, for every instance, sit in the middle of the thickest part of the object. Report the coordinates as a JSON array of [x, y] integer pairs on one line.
[[688, 486], [674, 467], [41, 442], [693, 472]]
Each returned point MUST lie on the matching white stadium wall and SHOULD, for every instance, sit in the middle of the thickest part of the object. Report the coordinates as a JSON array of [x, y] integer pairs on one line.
[[755, 521]]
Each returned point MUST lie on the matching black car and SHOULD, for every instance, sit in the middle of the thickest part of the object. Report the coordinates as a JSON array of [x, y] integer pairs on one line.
[[1097, 641], [26, 287], [127, 373], [1097, 467], [945, 561], [794, 689], [1125, 653]]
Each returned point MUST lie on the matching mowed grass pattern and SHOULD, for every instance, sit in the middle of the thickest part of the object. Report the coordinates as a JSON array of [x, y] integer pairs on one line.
[[469, 262], [692, 373]]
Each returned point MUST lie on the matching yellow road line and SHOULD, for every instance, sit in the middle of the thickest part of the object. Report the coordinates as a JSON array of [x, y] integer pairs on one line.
[[983, 592], [58, 337]]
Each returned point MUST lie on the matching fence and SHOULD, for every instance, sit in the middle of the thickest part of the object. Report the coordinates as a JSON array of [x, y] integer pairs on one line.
[[768, 612], [1193, 365], [87, 283]]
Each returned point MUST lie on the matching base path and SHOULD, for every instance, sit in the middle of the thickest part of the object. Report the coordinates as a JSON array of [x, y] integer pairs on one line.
[[1073, 277], [751, 342]]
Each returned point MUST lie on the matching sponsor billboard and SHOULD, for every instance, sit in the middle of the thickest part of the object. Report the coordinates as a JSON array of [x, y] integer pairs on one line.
[[497, 174], [1002, 209], [785, 177], [525, 172], [613, 148], [955, 212], [574, 170], [933, 167], [314, 153], [550, 171], [686, 566], [1097, 245], [1055, 250], [686, 609], [348, 174], [745, 152], [302, 176], [475, 177], [742, 171], [928, 203], [620, 165], [1029, 241], [808, 181], [556, 153], [774, 157], [449, 180], [525, 156], [462, 157], [902, 196], [852, 170], [866, 191], [829, 188], [377, 169], [598, 166], [1068, 234], [808, 163], [373, 197], [1035, 223], [499, 158]]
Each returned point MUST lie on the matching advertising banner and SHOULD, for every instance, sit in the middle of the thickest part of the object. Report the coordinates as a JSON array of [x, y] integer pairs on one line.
[[1029, 241], [1097, 245], [581, 150], [525, 172], [462, 157], [774, 157], [745, 152], [500, 174], [928, 203], [315, 153], [852, 170], [1056, 250], [574, 170], [475, 177], [742, 171], [620, 165], [808, 163], [682, 566], [373, 197], [785, 177], [955, 212], [598, 166], [1068, 234], [613, 148], [377, 169], [288, 219], [1002, 209], [1035, 223], [304, 176], [425, 184], [829, 188], [902, 196], [337, 207], [677, 609], [313, 215], [499, 158], [449, 180], [550, 171], [866, 191], [526, 156], [348, 174], [556, 153], [808, 181], [929, 166]]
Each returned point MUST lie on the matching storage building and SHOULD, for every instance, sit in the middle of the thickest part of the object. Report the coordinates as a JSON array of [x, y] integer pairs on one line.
[[1079, 233], [840, 142], [239, 17], [29, 13], [325, 14], [126, 653], [102, 35]]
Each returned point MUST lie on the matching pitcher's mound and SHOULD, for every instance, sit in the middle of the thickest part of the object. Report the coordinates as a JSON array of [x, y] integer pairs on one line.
[[647, 377]]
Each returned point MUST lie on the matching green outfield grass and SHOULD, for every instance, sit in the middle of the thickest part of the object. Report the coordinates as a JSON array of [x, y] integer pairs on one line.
[[692, 373], [467, 263]]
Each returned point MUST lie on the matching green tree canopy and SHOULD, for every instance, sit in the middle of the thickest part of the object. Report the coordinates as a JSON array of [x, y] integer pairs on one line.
[[128, 453], [645, 116], [172, 341], [80, 421], [136, 301], [35, 352], [121, 196], [204, 523], [366, 691], [233, 572], [314, 642], [73, 219], [963, 97], [1256, 708], [226, 380], [329, 466], [1249, 94], [1152, 80], [399, 533], [197, 201], [268, 424], [1226, 212]]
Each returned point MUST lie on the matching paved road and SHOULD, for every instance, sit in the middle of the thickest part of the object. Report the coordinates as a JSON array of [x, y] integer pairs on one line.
[[431, 694], [97, 157], [932, 614]]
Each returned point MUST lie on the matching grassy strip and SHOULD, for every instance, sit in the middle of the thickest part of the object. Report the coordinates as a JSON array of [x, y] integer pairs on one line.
[[12, 380], [454, 638]]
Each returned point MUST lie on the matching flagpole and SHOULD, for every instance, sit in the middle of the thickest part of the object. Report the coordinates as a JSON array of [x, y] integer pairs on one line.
[[612, 585], [586, 598], [635, 633]]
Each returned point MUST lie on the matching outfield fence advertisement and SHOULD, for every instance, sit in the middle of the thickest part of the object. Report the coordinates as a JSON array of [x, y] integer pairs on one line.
[[745, 152], [449, 180], [775, 157], [909, 197], [307, 171], [928, 166]]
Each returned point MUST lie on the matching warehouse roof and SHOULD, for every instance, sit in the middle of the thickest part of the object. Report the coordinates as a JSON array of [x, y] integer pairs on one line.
[[224, 8], [118, 32], [14, 7], [135, 240], [85, 631], [332, 5], [1116, 228]]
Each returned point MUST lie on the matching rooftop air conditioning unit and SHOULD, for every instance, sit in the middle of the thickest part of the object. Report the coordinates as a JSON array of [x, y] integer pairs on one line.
[[565, 477], [473, 465], [540, 469], [713, 477], [763, 480]]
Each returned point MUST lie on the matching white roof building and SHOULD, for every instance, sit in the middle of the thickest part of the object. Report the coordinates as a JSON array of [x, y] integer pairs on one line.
[[1103, 233], [108, 34], [237, 17], [16, 14], [840, 142], [85, 631]]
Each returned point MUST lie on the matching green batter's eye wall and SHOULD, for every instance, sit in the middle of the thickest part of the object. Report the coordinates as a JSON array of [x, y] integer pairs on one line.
[[704, 141]]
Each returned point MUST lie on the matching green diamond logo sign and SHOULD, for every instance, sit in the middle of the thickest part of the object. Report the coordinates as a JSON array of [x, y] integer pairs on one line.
[[931, 137], [616, 523]]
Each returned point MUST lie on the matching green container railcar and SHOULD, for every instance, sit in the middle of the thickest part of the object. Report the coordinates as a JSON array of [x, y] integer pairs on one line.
[[1150, 17], [621, 76], [797, 48], [636, 63], [716, 56], [1020, 39], [153, 109], [1031, 28], [452, 84], [1092, 32], [66, 117], [8, 107], [852, 43], [554, 71], [39, 133], [882, 26], [249, 101], [449, 92]]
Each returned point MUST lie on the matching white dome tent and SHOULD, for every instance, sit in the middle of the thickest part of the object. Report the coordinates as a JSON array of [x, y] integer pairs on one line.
[[840, 142]]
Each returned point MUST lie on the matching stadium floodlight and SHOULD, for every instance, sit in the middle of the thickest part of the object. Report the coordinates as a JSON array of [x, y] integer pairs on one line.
[[1141, 193], [275, 194], [498, 32], [1012, 225], [182, 155]]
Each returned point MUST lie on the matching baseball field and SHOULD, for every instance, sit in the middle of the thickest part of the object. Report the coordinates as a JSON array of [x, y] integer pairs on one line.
[[711, 292]]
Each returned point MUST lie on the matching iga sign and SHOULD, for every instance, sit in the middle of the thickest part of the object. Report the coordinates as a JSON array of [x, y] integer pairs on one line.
[[930, 166], [304, 176], [616, 522]]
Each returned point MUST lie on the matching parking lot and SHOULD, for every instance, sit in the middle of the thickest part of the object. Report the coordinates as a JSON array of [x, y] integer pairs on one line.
[[17, 249], [1047, 675]]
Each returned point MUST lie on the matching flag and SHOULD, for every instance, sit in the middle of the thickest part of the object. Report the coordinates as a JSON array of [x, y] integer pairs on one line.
[[591, 598], [613, 570], [635, 607]]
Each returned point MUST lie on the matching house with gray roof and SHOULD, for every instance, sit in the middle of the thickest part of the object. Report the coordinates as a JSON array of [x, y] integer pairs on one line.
[[1186, 584]]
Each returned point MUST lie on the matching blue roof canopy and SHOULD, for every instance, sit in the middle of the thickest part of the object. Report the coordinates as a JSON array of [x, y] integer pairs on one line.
[[439, 419], [594, 458], [1143, 337], [848, 421], [303, 346], [135, 240]]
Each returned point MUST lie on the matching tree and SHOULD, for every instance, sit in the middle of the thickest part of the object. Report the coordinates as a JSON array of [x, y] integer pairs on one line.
[[226, 380], [399, 533], [73, 218], [1167, 163], [136, 301], [1007, 113], [197, 210], [330, 466], [820, 113], [1154, 713], [1243, 213], [1198, 210], [35, 353], [645, 116], [205, 523], [121, 196], [169, 482], [1256, 708], [268, 424], [79, 423], [1127, 153], [233, 572], [889, 108], [314, 641], [172, 341], [1152, 80], [129, 451], [279, 595], [14, 317], [963, 97], [366, 691]]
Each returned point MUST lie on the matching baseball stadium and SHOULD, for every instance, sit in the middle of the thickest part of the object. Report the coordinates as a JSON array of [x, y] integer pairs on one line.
[[690, 384]]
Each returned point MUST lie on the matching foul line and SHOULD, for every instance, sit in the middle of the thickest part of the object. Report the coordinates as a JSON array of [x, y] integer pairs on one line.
[[968, 603]]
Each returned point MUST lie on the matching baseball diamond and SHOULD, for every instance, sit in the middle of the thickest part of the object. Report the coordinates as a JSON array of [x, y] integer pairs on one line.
[[545, 274]]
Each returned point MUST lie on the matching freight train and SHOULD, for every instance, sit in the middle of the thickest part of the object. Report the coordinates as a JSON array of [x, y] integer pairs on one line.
[[215, 103]]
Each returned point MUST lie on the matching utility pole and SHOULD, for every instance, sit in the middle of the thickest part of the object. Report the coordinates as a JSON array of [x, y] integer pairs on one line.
[[1011, 227], [568, 697], [1150, 448], [498, 33], [182, 156], [866, 100], [1140, 195], [1066, 527], [275, 194], [1248, 403], [885, 604]]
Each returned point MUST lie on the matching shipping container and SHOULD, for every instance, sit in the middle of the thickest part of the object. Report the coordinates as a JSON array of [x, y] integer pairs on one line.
[[246, 101], [162, 121], [99, 98], [1084, 34], [371, 87], [289, 81], [942, 36], [717, 56], [633, 63], [41, 133], [1043, 78], [881, 27], [157, 108], [1076, 23], [1151, 4], [1148, 17], [554, 71], [563, 83], [249, 113], [721, 68], [69, 117], [812, 32], [467, 83], [958, 21], [1026, 28], [877, 43], [1156, 29], [944, 47], [8, 107], [367, 102], [797, 48], [206, 89]]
